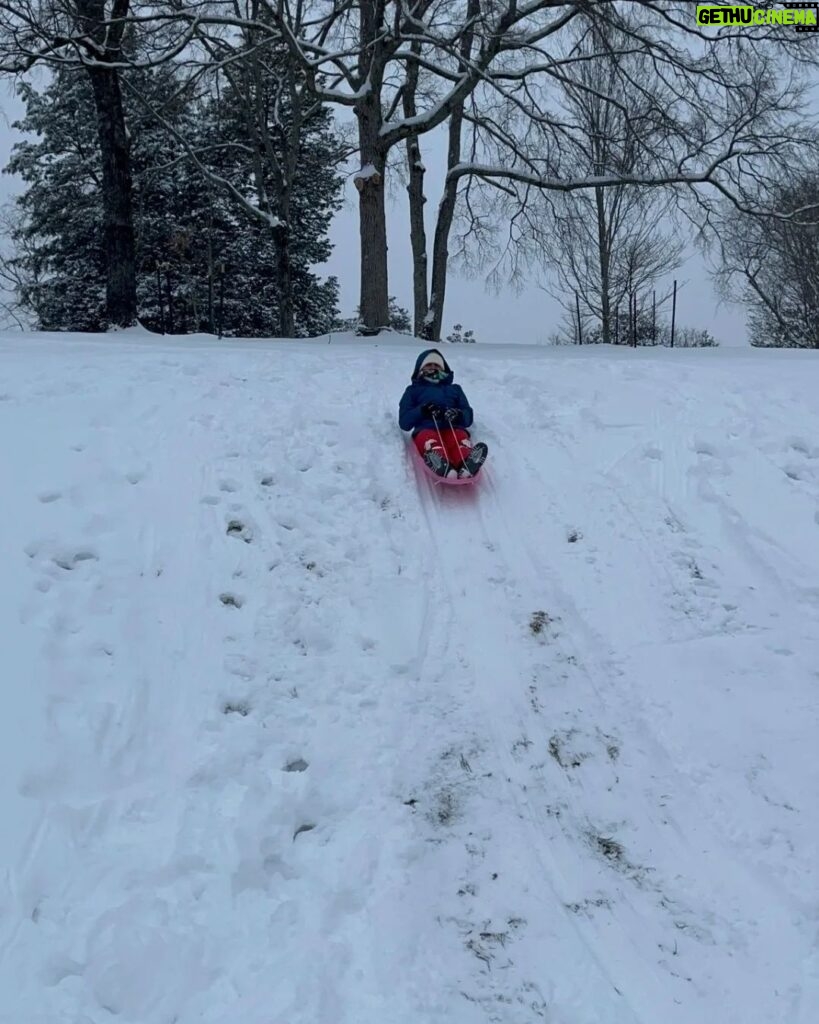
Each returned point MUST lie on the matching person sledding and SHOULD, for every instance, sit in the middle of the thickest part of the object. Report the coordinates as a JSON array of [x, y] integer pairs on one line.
[[438, 414]]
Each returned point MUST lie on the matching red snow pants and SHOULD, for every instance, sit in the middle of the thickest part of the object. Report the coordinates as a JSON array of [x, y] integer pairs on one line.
[[456, 443]]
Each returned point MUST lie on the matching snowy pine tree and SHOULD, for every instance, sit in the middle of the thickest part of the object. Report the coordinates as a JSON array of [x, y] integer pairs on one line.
[[202, 263]]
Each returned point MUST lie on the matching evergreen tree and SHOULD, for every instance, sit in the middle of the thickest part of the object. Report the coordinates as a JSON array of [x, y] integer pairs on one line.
[[202, 263]]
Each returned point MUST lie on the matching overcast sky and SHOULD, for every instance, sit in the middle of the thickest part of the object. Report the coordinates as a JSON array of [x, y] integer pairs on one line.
[[530, 316]]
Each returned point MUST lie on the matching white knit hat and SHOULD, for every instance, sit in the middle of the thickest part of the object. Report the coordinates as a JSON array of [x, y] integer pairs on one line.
[[435, 358]]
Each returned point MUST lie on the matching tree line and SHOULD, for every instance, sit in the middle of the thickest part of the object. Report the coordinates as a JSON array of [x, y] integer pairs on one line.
[[188, 157]]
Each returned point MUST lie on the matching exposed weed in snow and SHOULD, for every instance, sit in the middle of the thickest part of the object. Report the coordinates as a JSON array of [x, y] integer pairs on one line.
[[614, 853], [564, 756], [474, 946], [588, 905], [521, 746], [610, 848], [574, 536], [446, 808], [236, 707], [299, 765], [538, 622]]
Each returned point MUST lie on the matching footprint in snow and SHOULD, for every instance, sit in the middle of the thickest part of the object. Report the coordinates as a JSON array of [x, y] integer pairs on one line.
[[298, 765], [236, 528], [241, 666], [803, 448], [228, 486], [65, 558], [47, 497], [231, 600], [70, 560]]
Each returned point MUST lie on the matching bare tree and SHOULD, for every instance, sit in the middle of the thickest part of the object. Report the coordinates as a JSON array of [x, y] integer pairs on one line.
[[610, 243], [633, 110], [359, 54], [770, 263]]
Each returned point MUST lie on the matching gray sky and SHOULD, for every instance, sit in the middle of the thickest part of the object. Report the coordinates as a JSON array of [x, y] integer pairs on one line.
[[529, 316]]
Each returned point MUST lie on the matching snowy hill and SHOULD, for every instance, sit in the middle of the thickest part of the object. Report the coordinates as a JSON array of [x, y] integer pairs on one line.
[[291, 738]]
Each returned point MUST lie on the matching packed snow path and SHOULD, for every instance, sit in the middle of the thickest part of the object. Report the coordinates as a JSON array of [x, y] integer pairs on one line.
[[293, 737]]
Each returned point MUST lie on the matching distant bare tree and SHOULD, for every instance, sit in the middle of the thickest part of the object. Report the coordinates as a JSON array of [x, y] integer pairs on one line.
[[609, 243], [634, 111]]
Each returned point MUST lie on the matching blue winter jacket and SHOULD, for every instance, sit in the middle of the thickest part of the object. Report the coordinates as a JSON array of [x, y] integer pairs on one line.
[[442, 393]]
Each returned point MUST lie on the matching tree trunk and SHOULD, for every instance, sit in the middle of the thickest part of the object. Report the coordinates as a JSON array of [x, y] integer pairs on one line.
[[440, 245], [418, 237], [284, 272], [446, 209], [605, 264], [120, 248], [374, 304], [417, 199]]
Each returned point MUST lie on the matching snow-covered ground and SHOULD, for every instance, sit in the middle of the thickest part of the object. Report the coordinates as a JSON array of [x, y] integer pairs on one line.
[[290, 737]]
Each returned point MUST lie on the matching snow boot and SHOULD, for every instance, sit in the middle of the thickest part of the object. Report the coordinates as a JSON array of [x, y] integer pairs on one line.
[[475, 459], [436, 462]]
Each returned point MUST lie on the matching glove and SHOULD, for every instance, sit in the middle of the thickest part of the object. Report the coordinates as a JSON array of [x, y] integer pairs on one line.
[[431, 410], [452, 415]]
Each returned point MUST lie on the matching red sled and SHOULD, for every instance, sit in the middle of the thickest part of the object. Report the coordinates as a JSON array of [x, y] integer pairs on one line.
[[447, 481]]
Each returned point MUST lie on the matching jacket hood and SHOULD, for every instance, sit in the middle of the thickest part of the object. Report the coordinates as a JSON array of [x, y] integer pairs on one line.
[[419, 362]]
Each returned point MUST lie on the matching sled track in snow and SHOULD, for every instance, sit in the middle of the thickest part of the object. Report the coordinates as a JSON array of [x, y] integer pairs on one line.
[[613, 844]]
